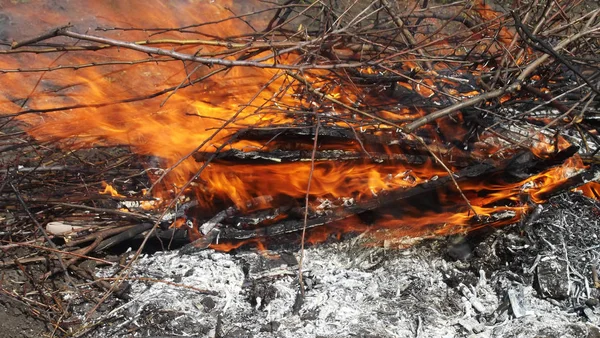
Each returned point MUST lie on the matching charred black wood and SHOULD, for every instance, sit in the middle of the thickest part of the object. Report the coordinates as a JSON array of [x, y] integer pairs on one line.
[[172, 235], [525, 164], [548, 278], [207, 226], [524, 161], [262, 217], [341, 212], [211, 229], [547, 98], [369, 138], [331, 135], [590, 175], [123, 236], [293, 144], [280, 156]]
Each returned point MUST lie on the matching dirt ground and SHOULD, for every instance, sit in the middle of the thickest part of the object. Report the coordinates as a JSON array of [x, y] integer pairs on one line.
[[17, 322]]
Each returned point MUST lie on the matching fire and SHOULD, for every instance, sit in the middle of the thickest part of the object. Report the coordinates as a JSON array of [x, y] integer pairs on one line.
[[171, 110], [591, 190], [229, 246], [110, 190], [329, 180]]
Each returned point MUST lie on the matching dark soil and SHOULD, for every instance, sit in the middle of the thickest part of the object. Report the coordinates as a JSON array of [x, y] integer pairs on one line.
[[17, 322]]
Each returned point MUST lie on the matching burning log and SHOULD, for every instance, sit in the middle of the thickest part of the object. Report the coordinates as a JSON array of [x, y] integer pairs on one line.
[[291, 220], [281, 156]]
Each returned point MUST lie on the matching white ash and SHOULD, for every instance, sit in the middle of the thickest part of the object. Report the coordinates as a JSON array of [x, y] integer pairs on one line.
[[358, 291]]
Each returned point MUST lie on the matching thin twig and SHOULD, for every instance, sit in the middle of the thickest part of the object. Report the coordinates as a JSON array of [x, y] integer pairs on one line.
[[204, 60], [306, 205], [50, 34]]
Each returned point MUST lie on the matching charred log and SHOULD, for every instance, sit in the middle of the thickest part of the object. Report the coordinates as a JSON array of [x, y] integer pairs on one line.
[[293, 222], [234, 157]]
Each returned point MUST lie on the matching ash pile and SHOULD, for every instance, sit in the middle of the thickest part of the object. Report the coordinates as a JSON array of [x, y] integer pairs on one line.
[[537, 278]]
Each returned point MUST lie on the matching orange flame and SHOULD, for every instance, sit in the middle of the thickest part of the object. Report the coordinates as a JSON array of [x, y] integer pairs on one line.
[[122, 97], [591, 190], [109, 189]]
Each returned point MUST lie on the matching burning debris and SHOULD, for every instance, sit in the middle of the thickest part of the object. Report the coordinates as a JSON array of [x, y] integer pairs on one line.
[[236, 125]]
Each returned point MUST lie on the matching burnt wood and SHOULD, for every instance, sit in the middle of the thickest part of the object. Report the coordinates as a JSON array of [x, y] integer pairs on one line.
[[590, 175], [341, 212], [282, 156], [526, 161]]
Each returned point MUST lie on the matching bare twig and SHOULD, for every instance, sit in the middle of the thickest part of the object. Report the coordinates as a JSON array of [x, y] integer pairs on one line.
[[43, 231], [306, 205], [50, 34]]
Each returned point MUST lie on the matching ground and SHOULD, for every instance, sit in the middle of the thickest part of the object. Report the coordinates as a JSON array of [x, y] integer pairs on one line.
[[16, 322], [526, 280]]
